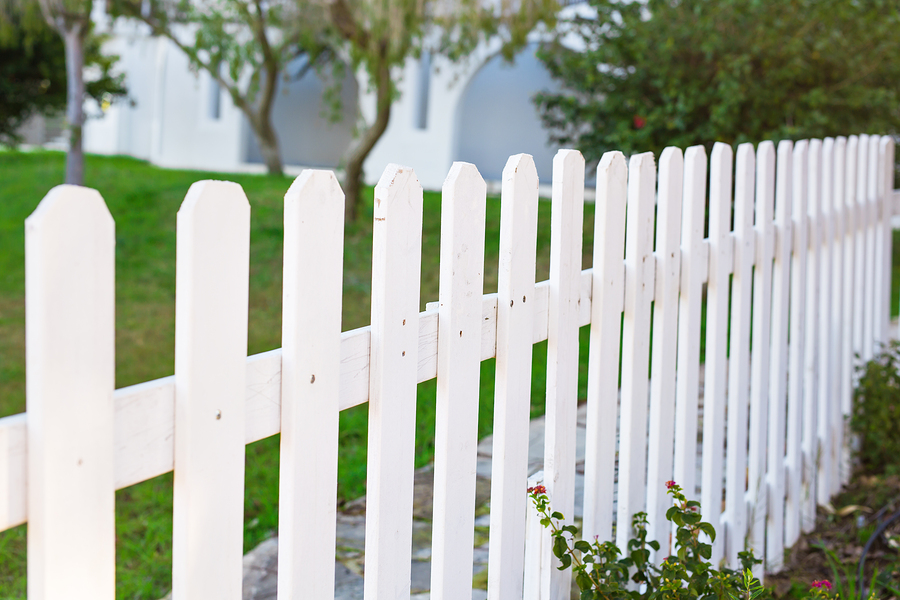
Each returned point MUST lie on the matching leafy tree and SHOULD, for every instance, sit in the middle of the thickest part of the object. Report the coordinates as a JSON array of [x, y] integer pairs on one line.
[[644, 75], [33, 71], [244, 45], [380, 36]]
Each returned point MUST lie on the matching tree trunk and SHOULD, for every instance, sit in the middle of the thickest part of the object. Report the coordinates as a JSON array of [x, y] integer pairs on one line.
[[356, 156], [73, 34], [268, 144]]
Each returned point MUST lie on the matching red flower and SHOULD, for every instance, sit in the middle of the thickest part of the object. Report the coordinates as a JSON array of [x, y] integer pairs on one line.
[[538, 489], [821, 583], [670, 484], [639, 122]]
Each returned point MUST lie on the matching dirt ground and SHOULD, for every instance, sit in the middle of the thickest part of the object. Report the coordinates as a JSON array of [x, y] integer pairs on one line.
[[843, 529]]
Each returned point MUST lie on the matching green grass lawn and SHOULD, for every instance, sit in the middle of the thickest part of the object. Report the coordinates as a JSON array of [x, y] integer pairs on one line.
[[144, 200]]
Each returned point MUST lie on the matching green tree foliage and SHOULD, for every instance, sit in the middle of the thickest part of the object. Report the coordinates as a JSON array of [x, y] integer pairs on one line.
[[244, 45], [644, 75], [45, 47], [380, 36]]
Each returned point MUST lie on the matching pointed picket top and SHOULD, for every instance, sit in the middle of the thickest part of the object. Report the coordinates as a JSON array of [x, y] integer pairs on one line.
[[519, 178], [70, 356], [396, 270], [463, 202], [310, 384], [721, 259], [664, 344], [607, 293], [212, 279]]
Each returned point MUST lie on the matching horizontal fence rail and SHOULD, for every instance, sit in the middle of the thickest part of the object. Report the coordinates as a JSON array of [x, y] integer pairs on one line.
[[796, 265]]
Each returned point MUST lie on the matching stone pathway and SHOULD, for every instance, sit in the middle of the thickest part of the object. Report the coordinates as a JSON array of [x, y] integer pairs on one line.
[[261, 563]]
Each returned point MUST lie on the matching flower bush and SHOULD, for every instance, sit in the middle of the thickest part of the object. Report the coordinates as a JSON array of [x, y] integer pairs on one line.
[[601, 573]]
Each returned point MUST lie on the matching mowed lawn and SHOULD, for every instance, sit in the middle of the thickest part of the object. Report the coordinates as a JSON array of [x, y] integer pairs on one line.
[[144, 201]]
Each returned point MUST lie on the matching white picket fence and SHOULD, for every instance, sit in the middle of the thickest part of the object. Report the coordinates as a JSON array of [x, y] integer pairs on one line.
[[808, 257]]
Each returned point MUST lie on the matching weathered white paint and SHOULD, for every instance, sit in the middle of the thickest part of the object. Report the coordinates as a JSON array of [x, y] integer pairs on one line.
[[799, 199], [826, 338], [779, 358], [810, 437], [865, 249], [212, 279], [459, 369], [608, 292], [310, 385], [393, 365], [664, 347], [739, 363], [721, 259], [838, 249], [853, 257], [566, 226], [874, 249], [70, 358], [757, 491], [512, 392], [640, 270], [694, 264]]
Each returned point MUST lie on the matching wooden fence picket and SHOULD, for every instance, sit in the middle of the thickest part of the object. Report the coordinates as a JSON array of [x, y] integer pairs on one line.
[[797, 347], [874, 248], [463, 202], [865, 247], [838, 294], [639, 284], [660, 462], [566, 226], [310, 385], [694, 266], [70, 245], [779, 358], [212, 279], [721, 261], [759, 358], [826, 345], [607, 302], [396, 268], [853, 259], [886, 189], [739, 362], [512, 392], [810, 436]]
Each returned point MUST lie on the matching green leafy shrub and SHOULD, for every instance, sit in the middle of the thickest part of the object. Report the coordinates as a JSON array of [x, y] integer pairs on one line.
[[601, 574], [876, 412]]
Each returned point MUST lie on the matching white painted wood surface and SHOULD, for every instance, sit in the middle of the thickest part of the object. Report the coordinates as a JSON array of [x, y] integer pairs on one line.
[[866, 253], [212, 278], [810, 437], [660, 461], [393, 364], [694, 264], [874, 248], [512, 392], [70, 358], [852, 338], [463, 202], [721, 259], [736, 532], [799, 200], [826, 337], [310, 384], [757, 492], [607, 302], [779, 358], [560, 420], [886, 187], [838, 294], [639, 284]]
